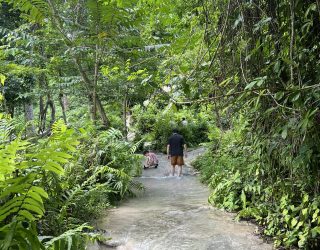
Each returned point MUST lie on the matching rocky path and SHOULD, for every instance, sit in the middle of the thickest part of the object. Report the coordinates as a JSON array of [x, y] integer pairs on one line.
[[173, 213]]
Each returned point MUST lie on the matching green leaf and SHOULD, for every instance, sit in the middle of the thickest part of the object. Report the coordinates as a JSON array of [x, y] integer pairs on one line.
[[243, 199], [276, 67], [54, 167], [34, 10], [31, 235], [305, 198], [2, 79], [279, 95], [10, 212], [54, 170], [26, 214], [261, 81], [293, 222], [63, 155], [315, 215], [257, 81], [284, 132], [34, 203], [14, 189], [225, 82], [315, 232], [250, 85], [299, 224], [35, 196], [32, 208], [58, 159], [304, 211], [295, 97], [16, 201], [40, 191]]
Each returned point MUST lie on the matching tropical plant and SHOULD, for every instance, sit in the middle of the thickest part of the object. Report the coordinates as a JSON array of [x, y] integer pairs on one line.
[[23, 167]]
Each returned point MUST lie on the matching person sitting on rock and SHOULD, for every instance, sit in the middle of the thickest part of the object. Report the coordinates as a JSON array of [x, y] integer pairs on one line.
[[152, 160]]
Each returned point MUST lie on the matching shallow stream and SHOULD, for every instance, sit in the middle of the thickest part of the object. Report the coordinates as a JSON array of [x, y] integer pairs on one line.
[[173, 213]]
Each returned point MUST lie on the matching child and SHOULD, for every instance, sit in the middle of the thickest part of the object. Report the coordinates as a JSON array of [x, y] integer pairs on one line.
[[152, 160]]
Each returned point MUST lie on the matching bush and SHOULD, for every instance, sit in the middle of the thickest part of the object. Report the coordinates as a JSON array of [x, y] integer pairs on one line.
[[241, 181], [53, 187], [156, 125]]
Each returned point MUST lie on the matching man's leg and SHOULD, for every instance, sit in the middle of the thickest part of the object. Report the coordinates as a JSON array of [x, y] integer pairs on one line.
[[173, 164], [180, 163], [180, 170], [173, 169]]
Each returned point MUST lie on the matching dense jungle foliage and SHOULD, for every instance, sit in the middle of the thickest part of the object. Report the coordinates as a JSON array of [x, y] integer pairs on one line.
[[87, 83]]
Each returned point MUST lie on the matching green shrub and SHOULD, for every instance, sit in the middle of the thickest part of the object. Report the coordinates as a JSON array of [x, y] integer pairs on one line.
[[54, 186], [156, 125], [241, 180]]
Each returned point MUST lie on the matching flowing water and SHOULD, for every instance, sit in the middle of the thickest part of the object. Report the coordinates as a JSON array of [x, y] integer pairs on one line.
[[173, 213]]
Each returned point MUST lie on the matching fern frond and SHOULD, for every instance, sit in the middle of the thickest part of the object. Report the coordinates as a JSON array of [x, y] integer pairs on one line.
[[59, 127], [8, 156], [27, 201], [119, 178], [113, 133], [6, 128], [21, 194], [20, 235], [134, 147], [74, 238]]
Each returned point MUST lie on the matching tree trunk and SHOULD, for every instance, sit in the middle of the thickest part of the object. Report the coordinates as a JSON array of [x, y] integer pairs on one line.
[[63, 104], [41, 115], [292, 3], [11, 110], [102, 112], [95, 82], [90, 88], [125, 103], [29, 118], [90, 105], [53, 111]]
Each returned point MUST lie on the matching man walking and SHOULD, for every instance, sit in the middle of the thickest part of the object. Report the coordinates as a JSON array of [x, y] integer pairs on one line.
[[176, 146]]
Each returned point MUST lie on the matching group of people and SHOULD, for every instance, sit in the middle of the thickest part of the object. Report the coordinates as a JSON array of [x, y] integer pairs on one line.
[[176, 150]]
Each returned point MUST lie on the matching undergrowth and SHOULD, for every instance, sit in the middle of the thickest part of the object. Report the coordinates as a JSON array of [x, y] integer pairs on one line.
[[242, 179], [51, 188]]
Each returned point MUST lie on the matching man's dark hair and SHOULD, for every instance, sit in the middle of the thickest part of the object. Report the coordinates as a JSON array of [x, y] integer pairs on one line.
[[145, 152], [175, 130]]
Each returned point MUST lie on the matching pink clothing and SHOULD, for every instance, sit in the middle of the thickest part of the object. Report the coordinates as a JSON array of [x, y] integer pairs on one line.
[[152, 159]]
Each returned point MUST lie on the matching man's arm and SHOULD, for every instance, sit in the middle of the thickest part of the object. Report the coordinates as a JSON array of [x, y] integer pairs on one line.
[[148, 161], [168, 151], [185, 150]]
